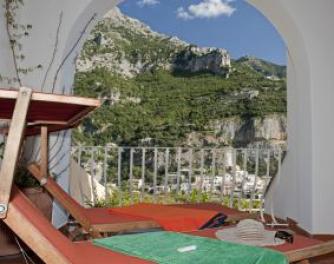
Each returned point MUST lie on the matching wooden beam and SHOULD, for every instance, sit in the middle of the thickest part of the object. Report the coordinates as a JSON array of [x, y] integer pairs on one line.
[[123, 227], [13, 146], [53, 98], [33, 237], [310, 252], [44, 151], [78, 117], [62, 197]]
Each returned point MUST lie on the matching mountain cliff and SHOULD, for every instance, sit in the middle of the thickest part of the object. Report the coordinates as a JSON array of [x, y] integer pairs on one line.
[[160, 90], [128, 47]]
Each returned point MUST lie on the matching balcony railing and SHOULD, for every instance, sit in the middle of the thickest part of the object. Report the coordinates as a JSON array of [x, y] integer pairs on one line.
[[237, 177]]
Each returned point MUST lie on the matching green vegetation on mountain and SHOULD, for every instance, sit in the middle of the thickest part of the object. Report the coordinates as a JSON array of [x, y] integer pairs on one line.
[[264, 67], [172, 104], [157, 103]]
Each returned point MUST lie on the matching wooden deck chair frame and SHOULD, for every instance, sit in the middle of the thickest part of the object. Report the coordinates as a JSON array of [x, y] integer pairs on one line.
[[72, 207], [13, 146], [49, 244], [49, 253], [16, 104]]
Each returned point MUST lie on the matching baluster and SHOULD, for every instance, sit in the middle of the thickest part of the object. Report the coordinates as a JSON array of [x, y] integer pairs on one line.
[[143, 173], [82, 197], [277, 184], [155, 173], [79, 155], [245, 174], [222, 186], [92, 172], [178, 173], [131, 175], [255, 178], [105, 171], [119, 175], [190, 168], [234, 167], [213, 170], [268, 164], [166, 171], [265, 185], [202, 171]]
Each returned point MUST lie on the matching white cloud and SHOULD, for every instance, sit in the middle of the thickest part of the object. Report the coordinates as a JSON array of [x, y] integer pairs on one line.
[[143, 3], [206, 9], [183, 14]]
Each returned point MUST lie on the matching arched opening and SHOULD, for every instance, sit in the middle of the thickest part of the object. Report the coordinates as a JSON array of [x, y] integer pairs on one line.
[[300, 161], [287, 34]]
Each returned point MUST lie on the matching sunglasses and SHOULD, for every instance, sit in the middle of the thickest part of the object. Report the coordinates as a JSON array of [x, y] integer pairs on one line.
[[285, 235]]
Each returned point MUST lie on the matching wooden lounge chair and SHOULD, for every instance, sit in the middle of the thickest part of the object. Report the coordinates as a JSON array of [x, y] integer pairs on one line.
[[33, 113], [92, 220], [99, 220], [30, 225], [54, 248]]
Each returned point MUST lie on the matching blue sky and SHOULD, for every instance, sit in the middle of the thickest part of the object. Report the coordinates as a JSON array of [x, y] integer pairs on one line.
[[231, 24]]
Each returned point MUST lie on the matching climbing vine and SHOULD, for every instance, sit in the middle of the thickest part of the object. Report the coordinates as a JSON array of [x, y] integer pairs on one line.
[[16, 32]]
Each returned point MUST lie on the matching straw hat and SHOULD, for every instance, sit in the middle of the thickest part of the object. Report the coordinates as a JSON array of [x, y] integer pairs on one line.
[[249, 232]]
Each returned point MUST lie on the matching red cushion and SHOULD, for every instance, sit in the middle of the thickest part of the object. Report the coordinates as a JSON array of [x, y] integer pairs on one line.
[[213, 207], [103, 216], [171, 218]]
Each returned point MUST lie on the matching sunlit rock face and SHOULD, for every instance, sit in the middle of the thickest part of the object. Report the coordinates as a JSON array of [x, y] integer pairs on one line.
[[197, 59], [128, 47], [271, 129]]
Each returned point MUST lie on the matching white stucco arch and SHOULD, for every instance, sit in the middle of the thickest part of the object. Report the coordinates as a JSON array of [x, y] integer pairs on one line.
[[307, 177]]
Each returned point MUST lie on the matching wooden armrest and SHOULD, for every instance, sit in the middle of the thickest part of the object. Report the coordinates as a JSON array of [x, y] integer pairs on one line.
[[311, 252]]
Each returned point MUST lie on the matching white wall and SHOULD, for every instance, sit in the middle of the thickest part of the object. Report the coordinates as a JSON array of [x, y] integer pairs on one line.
[[305, 191], [39, 48], [307, 29]]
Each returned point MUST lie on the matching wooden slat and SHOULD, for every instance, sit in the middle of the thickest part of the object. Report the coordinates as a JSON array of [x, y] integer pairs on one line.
[[44, 151], [124, 227], [75, 120], [33, 237], [13, 146], [77, 213], [310, 252], [53, 98], [82, 106]]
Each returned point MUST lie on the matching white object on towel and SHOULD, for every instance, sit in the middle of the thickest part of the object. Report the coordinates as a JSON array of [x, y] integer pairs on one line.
[[187, 249]]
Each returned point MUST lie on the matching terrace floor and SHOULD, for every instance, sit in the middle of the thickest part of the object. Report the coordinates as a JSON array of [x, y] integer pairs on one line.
[[20, 260], [329, 259]]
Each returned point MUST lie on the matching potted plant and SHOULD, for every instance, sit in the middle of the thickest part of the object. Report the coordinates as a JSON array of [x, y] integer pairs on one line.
[[32, 189]]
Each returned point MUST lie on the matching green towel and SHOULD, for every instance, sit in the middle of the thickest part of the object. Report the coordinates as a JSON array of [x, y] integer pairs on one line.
[[161, 247]]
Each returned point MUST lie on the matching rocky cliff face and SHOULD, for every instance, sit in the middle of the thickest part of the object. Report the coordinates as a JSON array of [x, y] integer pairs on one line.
[[271, 129], [128, 47], [197, 59]]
